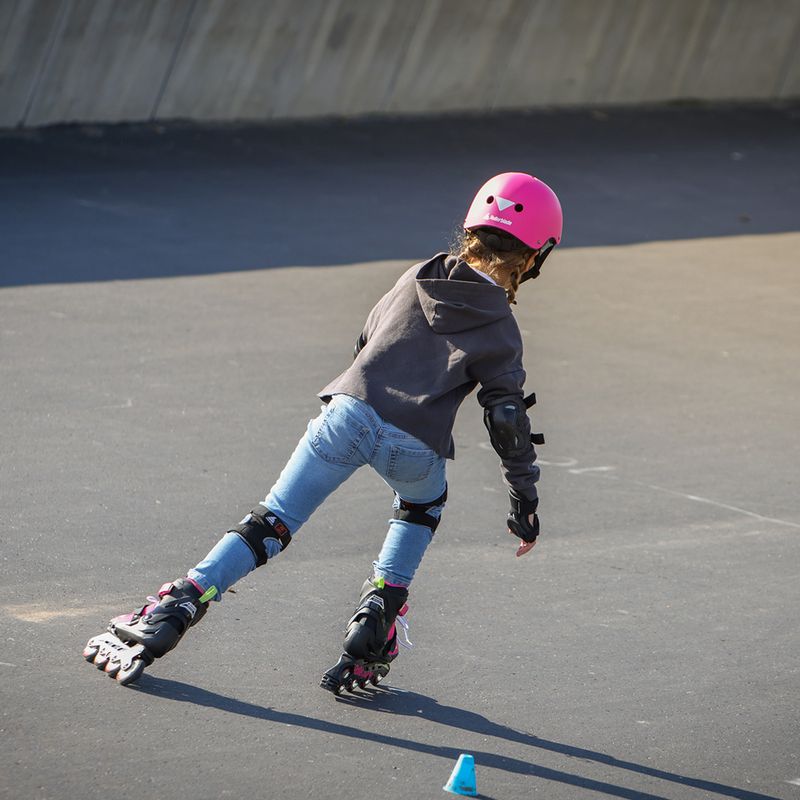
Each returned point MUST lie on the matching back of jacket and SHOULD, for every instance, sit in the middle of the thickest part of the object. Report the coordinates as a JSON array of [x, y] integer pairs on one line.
[[442, 330]]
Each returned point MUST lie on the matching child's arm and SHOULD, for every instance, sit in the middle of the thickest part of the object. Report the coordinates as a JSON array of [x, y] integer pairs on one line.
[[506, 418]]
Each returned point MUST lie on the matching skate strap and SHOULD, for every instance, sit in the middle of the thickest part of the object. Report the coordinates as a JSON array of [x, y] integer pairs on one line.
[[152, 602], [209, 595]]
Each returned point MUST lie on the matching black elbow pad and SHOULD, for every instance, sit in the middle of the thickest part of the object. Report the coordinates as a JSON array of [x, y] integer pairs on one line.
[[509, 427]]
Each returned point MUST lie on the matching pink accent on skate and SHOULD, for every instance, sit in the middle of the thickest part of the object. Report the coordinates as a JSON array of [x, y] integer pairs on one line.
[[197, 586], [403, 611], [393, 636], [139, 612], [360, 672], [152, 602], [395, 585], [125, 617]]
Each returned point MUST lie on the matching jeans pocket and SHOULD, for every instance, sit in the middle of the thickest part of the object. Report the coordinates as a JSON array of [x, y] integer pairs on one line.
[[409, 466], [337, 436]]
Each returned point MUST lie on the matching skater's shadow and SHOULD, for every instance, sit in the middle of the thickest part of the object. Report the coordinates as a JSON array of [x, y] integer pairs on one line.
[[419, 706]]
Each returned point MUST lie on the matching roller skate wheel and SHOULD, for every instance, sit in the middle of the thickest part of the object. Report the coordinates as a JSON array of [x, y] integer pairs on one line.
[[113, 667], [375, 679], [102, 658], [361, 683], [132, 673], [90, 651], [347, 679]]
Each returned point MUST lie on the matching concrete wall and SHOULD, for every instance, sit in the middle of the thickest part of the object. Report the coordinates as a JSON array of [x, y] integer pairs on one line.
[[118, 60]]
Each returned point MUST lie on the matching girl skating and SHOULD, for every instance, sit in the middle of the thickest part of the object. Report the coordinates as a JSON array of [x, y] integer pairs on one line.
[[443, 330]]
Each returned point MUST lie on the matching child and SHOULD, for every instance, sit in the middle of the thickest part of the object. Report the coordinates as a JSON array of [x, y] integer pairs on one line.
[[445, 328]]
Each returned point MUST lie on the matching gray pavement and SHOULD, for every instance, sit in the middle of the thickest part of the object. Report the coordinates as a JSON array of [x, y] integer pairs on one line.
[[647, 648]]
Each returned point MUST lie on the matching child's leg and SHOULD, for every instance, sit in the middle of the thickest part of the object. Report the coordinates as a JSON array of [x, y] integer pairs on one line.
[[334, 446], [410, 532], [336, 443], [417, 475], [419, 500]]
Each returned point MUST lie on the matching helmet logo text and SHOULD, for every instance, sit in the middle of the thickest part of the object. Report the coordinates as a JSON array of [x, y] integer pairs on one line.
[[495, 218]]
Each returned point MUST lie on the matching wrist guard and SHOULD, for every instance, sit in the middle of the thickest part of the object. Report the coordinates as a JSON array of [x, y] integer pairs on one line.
[[518, 524]]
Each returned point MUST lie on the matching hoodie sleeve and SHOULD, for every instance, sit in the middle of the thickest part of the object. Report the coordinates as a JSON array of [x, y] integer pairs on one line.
[[521, 472]]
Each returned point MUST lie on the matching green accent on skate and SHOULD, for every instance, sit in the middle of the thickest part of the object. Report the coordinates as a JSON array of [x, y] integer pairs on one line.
[[206, 596], [378, 583]]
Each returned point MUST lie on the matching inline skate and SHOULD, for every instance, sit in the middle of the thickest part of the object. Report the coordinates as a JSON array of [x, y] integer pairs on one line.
[[371, 640], [133, 641]]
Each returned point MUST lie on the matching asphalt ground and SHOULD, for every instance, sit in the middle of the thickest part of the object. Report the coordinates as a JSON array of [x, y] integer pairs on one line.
[[172, 303]]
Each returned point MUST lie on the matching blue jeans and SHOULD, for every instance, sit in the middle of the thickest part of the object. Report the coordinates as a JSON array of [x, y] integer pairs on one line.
[[345, 436]]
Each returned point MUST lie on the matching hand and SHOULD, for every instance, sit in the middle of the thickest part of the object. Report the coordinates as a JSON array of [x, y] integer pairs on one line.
[[523, 522], [524, 547]]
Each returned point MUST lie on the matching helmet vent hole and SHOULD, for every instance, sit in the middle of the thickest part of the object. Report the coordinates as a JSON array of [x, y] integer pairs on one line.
[[518, 208], [490, 198]]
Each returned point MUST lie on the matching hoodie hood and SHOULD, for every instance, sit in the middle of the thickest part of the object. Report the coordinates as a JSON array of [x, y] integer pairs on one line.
[[455, 298]]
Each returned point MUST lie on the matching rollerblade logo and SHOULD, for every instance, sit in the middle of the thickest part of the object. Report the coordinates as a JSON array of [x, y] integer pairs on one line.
[[503, 204], [495, 218]]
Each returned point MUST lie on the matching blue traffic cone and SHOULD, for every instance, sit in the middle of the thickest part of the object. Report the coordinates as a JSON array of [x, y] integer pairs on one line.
[[462, 778]]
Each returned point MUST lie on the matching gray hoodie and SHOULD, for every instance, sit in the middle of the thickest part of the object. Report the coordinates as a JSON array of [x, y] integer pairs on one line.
[[442, 330]]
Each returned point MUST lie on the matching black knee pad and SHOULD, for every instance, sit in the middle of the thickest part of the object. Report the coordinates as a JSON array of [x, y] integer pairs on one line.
[[260, 524], [417, 513]]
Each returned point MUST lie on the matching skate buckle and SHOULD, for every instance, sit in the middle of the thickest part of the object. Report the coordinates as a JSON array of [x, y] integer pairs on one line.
[[376, 602]]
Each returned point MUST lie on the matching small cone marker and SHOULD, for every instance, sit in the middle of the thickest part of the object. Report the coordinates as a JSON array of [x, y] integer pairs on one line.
[[462, 778]]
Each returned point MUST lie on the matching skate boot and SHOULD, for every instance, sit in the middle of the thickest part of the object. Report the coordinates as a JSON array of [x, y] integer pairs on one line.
[[371, 641], [133, 641]]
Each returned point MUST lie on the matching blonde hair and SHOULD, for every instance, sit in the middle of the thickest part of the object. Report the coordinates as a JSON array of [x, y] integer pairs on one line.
[[504, 267]]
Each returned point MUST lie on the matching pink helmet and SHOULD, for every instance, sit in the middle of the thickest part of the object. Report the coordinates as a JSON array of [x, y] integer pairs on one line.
[[522, 206]]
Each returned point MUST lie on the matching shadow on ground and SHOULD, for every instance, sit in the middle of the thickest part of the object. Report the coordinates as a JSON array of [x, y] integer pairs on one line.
[[117, 202], [419, 706]]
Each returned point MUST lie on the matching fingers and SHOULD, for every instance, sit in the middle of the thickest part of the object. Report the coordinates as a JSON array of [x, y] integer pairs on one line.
[[524, 547]]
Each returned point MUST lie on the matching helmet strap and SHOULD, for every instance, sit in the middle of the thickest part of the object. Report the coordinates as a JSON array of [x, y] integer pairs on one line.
[[544, 251]]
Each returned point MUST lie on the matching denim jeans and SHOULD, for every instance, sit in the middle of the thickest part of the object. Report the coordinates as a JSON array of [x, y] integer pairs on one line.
[[347, 435]]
